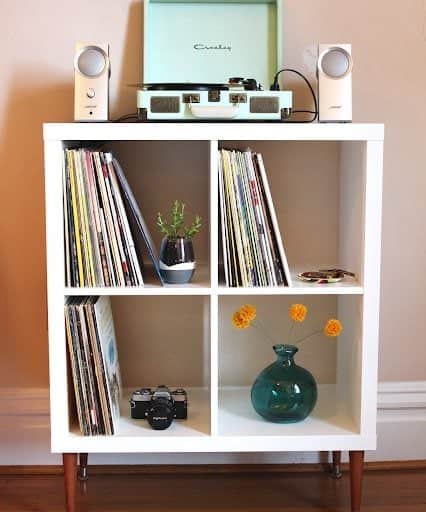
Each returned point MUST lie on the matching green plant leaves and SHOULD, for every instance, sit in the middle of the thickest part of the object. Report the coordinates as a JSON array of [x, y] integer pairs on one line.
[[175, 227]]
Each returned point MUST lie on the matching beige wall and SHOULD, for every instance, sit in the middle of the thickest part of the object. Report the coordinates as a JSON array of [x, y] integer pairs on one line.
[[389, 47]]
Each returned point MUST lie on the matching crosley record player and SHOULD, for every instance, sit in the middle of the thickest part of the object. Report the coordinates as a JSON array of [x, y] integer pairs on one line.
[[212, 59]]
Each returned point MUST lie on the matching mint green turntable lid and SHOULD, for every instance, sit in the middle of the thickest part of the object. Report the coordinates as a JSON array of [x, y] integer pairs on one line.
[[211, 40]]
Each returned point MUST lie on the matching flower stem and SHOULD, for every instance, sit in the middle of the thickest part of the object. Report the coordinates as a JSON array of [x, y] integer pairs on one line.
[[290, 332], [258, 324], [300, 340]]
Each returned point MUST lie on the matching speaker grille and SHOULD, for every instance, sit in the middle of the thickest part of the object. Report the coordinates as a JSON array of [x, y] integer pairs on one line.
[[336, 63], [165, 104], [91, 61], [264, 105]]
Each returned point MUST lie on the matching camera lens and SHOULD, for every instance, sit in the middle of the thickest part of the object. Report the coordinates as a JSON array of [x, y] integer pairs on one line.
[[160, 415]]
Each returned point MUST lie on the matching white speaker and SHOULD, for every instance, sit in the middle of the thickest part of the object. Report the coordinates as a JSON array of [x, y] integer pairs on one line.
[[335, 83], [91, 82]]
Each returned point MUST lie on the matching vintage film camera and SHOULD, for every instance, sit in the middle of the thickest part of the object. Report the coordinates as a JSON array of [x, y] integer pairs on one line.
[[159, 407]]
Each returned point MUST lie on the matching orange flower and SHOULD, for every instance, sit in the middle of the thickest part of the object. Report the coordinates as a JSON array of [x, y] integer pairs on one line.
[[298, 312], [240, 320], [249, 311], [333, 328]]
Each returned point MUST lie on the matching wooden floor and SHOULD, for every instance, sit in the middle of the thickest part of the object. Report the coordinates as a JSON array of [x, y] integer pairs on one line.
[[384, 491]]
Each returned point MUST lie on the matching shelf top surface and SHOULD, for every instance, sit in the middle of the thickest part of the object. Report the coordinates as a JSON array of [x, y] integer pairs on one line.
[[213, 131], [240, 429], [237, 416], [180, 290]]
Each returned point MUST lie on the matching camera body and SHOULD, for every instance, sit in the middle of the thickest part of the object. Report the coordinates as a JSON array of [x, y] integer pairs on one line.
[[160, 407]]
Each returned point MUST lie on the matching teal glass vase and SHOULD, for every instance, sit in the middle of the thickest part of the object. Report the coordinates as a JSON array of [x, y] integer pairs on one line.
[[284, 392]]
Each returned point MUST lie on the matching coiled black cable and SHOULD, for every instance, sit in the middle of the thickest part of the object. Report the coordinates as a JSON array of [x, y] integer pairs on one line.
[[276, 87]]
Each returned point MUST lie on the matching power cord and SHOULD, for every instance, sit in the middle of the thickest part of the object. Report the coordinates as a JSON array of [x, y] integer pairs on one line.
[[126, 117], [276, 87]]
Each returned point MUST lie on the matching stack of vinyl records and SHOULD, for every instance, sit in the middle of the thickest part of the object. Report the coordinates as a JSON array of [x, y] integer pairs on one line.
[[94, 363], [99, 245], [253, 253]]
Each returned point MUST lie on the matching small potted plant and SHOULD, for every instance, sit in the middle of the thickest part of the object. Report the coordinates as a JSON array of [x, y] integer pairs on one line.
[[177, 260]]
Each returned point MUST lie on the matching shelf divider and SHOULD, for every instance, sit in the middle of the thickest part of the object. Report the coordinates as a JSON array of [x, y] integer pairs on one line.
[[214, 264], [59, 410], [214, 364], [214, 219]]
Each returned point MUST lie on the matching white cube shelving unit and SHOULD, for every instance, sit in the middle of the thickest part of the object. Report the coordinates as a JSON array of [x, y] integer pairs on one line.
[[329, 211]]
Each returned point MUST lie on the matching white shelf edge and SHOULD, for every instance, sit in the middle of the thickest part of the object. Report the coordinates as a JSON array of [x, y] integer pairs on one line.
[[139, 290], [294, 290], [209, 444], [317, 436], [330, 417], [209, 291], [214, 131]]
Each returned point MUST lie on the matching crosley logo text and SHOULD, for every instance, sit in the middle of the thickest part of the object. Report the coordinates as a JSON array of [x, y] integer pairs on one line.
[[200, 46]]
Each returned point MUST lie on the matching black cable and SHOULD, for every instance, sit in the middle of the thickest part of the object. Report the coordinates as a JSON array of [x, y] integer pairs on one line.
[[276, 87], [125, 118]]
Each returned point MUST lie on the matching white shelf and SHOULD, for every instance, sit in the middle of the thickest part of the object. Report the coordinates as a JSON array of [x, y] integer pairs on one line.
[[222, 420], [197, 424], [237, 416], [212, 131], [240, 429], [137, 435], [347, 286], [200, 285], [297, 289]]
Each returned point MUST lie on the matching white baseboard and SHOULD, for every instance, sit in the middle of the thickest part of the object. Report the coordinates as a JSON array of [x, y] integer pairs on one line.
[[25, 432]]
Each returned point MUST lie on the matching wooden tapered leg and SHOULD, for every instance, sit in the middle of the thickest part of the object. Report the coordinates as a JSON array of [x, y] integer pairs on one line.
[[70, 477], [356, 462], [82, 473], [336, 472]]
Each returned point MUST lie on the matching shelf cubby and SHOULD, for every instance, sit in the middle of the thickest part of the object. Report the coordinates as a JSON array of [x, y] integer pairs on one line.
[[159, 172], [161, 341], [334, 362], [318, 192]]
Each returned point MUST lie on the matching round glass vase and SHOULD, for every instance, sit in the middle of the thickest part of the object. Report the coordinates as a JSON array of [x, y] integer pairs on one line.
[[284, 392], [177, 260]]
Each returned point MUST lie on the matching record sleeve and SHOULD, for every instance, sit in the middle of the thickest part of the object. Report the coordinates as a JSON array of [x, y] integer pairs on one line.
[[108, 345], [137, 215]]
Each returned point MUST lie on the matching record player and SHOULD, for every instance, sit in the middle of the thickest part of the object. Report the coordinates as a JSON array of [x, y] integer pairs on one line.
[[198, 55]]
